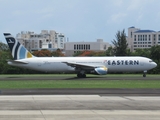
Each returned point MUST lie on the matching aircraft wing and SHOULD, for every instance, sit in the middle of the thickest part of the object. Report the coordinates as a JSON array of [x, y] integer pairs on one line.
[[99, 69], [80, 65]]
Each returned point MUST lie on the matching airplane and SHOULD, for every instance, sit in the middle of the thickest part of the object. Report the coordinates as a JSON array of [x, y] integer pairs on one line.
[[79, 65]]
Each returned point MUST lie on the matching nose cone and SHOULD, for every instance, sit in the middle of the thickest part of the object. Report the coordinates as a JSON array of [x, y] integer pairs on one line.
[[154, 64]]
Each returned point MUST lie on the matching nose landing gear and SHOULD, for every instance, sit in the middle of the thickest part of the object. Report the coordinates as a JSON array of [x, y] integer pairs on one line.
[[144, 73]]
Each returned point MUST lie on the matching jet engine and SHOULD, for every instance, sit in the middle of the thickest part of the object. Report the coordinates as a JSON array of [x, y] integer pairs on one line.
[[101, 70]]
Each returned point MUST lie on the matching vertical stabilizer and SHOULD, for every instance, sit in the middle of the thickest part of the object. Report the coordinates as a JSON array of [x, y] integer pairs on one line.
[[17, 49]]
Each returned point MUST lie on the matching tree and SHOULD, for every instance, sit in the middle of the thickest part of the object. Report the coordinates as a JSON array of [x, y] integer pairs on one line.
[[120, 44], [42, 53], [57, 53], [109, 51], [155, 52], [3, 47], [141, 52]]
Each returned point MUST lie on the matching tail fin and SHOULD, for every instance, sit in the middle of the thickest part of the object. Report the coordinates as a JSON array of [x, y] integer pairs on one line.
[[17, 49]]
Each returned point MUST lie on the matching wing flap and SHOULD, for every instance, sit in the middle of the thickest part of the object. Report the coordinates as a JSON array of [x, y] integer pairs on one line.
[[74, 64]]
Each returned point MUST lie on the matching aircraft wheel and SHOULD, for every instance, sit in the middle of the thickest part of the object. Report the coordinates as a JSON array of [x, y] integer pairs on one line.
[[84, 75], [78, 75], [81, 75], [144, 75]]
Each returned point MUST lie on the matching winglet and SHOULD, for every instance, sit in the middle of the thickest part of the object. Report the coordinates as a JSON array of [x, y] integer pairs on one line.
[[17, 49]]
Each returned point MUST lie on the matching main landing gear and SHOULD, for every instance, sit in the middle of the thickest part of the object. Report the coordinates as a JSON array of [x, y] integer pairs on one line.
[[144, 73], [81, 74]]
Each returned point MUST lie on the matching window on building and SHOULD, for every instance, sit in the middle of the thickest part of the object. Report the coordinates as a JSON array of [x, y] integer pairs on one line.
[[135, 42], [145, 37], [149, 37], [84, 47], [134, 37], [77, 47], [49, 45], [61, 45], [74, 47], [154, 37]]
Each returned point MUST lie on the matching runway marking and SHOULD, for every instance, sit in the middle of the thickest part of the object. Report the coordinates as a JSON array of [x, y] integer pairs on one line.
[[128, 98], [80, 112], [77, 97]]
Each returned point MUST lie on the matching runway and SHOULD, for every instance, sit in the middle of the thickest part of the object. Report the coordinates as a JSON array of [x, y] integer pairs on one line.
[[79, 107]]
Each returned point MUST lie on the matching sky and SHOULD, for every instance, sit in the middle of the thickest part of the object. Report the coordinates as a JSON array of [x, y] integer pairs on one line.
[[79, 20]]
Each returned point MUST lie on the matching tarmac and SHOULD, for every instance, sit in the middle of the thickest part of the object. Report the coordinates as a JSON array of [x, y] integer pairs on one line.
[[79, 107]]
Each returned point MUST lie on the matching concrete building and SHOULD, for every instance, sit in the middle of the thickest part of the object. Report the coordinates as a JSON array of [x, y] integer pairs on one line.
[[74, 47], [142, 38], [50, 40]]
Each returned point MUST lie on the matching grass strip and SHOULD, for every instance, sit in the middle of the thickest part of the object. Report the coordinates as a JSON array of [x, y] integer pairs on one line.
[[18, 84]]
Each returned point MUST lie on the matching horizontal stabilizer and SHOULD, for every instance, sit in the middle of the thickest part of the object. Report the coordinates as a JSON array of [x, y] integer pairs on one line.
[[17, 62]]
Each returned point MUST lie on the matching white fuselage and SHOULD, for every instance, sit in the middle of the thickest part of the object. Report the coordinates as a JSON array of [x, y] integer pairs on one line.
[[113, 64]]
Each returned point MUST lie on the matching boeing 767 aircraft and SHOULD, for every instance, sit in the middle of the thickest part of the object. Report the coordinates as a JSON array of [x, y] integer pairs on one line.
[[79, 65]]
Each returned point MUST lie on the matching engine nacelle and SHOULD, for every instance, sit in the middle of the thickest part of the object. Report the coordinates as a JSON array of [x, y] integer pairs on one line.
[[101, 70]]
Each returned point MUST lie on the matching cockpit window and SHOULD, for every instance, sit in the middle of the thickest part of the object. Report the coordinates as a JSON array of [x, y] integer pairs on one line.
[[150, 61]]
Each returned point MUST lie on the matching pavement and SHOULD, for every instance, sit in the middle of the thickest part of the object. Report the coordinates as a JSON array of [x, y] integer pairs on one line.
[[79, 107], [79, 104]]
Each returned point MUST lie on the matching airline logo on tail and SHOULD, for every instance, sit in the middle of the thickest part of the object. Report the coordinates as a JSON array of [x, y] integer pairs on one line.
[[10, 41], [18, 50]]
